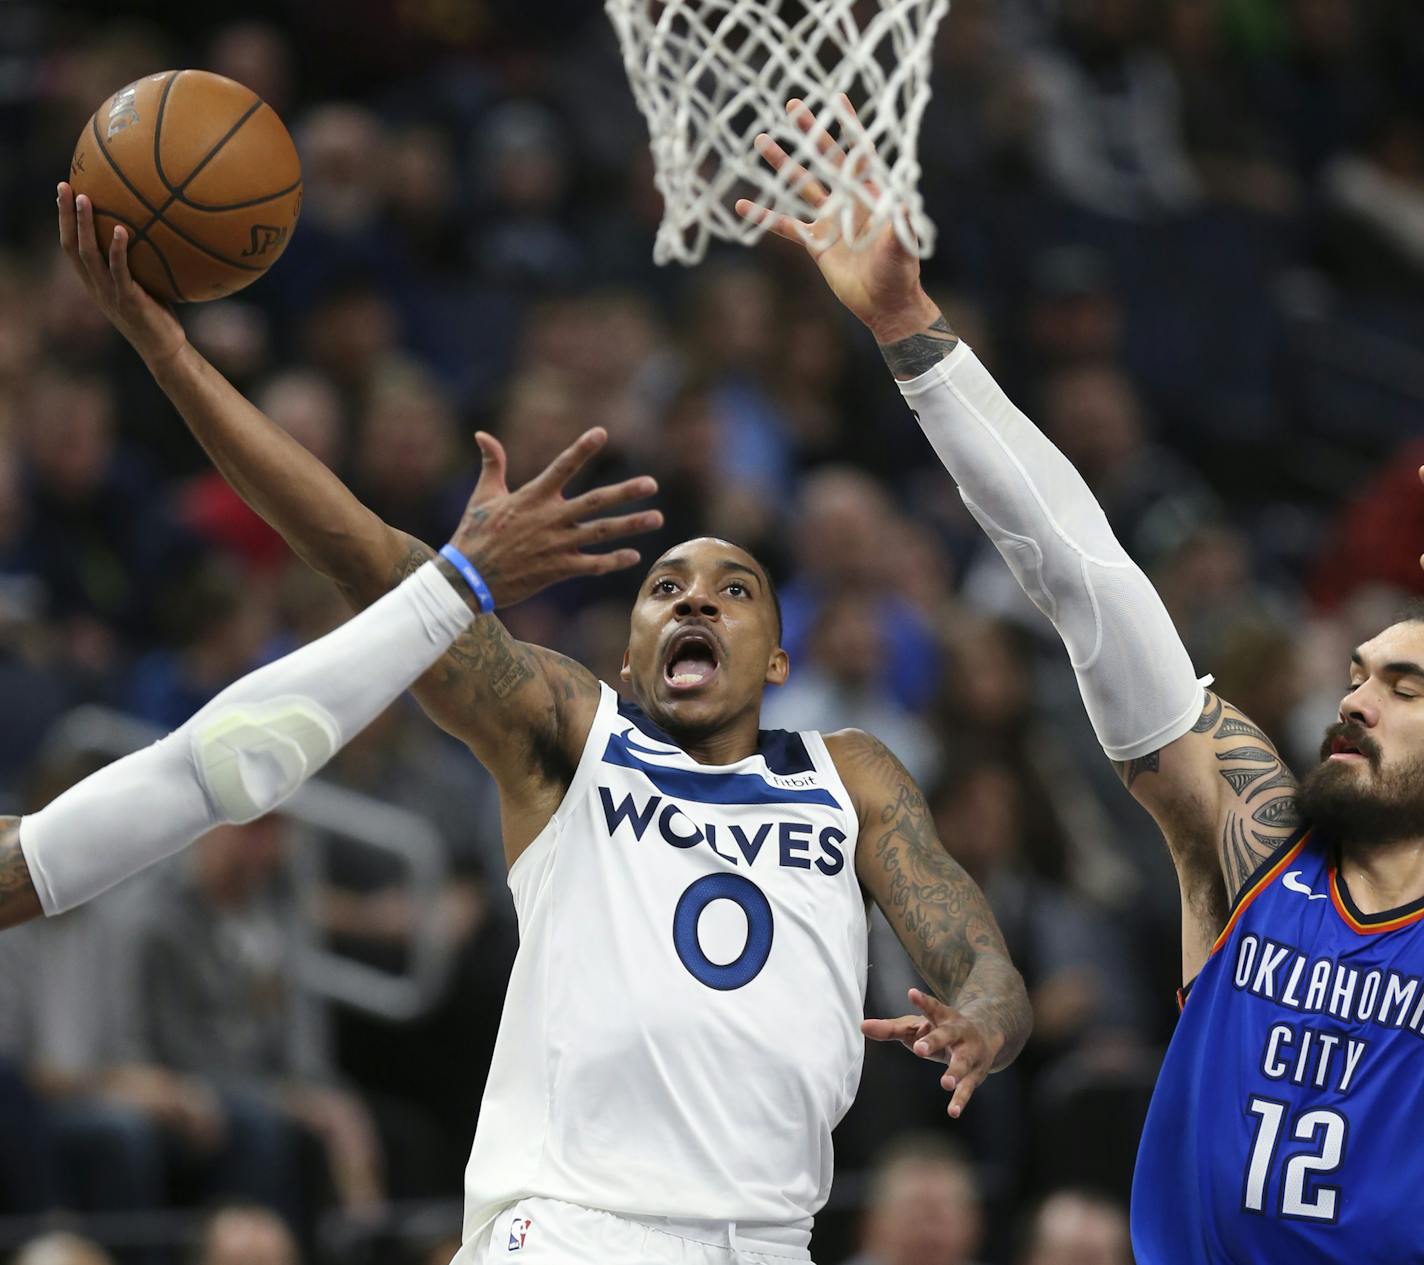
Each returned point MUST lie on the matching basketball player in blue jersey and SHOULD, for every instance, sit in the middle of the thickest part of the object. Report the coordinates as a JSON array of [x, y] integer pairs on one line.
[[682, 1028], [1284, 1127]]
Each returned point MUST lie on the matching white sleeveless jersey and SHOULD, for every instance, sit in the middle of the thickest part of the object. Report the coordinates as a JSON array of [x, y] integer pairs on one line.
[[682, 1026]]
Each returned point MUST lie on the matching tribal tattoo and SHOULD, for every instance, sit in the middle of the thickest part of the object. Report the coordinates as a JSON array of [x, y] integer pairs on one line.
[[1262, 812], [1130, 770], [910, 357], [936, 909]]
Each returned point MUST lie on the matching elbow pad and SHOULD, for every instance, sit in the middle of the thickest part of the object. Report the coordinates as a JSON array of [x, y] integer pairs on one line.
[[246, 752]]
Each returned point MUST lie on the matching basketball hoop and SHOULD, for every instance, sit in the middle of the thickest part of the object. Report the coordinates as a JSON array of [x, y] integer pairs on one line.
[[709, 75]]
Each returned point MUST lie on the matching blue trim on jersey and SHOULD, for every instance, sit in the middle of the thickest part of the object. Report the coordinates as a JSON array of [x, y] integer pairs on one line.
[[708, 787], [784, 752]]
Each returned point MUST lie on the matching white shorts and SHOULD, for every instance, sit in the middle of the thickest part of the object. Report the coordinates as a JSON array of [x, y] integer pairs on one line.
[[551, 1232]]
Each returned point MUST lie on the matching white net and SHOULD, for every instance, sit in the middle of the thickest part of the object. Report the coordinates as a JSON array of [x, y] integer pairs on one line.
[[709, 75]]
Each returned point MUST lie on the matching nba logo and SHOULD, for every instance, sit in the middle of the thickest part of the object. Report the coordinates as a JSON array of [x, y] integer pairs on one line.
[[517, 1230]]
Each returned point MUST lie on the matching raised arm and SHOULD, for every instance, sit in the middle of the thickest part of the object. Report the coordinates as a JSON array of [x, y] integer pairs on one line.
[[523, 710], [1211, 779], [980, 1018]]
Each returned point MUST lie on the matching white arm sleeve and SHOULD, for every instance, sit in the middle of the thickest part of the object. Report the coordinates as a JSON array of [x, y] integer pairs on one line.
[[1134, 674], [245, 752]]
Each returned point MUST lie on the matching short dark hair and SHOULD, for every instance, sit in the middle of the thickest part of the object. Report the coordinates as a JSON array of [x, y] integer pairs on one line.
[[1412, 612]]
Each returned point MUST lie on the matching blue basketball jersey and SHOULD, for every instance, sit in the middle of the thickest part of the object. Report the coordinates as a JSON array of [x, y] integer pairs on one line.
[[1286, 1123]]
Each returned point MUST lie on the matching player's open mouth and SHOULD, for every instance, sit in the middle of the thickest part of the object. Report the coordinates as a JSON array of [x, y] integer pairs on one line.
[[1342, 748], [691, 660]]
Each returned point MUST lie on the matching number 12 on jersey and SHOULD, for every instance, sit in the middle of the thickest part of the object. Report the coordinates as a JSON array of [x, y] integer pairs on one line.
[[1299, 1197]]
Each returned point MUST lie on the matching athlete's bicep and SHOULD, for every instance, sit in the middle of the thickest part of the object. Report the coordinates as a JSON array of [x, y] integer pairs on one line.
[[1225, 802], [19, 902]]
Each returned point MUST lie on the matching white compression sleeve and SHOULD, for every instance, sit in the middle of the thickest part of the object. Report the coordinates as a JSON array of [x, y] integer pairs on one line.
[[1133, 671], [245, 752]]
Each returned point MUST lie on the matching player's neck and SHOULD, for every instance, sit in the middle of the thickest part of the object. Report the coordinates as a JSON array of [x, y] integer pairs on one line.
[[727, 745], [1384, 876]]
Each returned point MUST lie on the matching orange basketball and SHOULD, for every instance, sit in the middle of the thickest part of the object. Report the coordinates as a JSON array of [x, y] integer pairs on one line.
[[202, 175]]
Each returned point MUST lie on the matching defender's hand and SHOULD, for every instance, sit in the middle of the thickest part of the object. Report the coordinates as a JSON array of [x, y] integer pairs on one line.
[[148, 324], [879, 283], [943, 1035], [524, 541]]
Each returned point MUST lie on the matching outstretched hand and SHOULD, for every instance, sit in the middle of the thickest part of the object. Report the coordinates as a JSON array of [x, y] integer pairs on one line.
[[880, 282], [525, 540], [148, 324], [943, 1035]]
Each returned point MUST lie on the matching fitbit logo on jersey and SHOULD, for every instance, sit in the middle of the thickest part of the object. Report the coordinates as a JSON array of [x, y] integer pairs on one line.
[[794, 845]]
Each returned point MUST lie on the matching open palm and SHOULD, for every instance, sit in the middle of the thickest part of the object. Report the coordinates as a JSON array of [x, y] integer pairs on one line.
[[880, 281]]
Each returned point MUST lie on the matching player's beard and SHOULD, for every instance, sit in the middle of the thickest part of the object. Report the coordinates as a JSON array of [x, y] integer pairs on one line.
[[1381, 807]]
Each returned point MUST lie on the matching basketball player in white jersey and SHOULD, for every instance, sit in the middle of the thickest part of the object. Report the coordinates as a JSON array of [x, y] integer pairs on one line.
[[683, 1023]]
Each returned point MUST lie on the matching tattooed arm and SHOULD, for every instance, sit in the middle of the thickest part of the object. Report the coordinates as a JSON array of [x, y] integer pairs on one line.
[[18, 900], [981, 1018], [1225, 802]]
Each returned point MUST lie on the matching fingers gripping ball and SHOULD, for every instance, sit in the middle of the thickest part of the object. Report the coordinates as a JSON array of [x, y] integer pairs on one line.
[[202, 175]]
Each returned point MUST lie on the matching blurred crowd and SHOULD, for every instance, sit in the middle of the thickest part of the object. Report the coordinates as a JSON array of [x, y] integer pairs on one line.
[[1188, 237]]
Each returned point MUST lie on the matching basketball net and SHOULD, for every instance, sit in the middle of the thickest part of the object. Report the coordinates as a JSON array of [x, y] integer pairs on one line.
[[709, 75]]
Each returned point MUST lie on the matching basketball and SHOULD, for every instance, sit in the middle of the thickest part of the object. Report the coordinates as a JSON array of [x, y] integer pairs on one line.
[[200, 172]]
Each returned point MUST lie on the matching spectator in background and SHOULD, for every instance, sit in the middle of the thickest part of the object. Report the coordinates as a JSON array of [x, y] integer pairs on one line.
[[62, 1249], [303, 404], [34, 690], [1374, 540], [1074, 315], [1075, 1227], [1375, 195], [97, 535], [350, 334], [841, 527], [257, 55], [405, 457], [27, 1173], [246, 1235], [1109, 116], [737, 333], [523, 176], [213, 943], [127, 1132], [697, 497], [217, 623], [922, 1206], [1232, 150], [839, 684], [342, 148], [1095, 416], [1324, 86]]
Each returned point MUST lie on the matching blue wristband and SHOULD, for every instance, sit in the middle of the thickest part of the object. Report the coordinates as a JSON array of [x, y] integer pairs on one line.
[[472, 577]]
